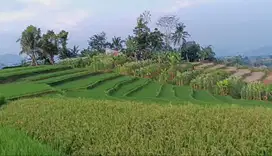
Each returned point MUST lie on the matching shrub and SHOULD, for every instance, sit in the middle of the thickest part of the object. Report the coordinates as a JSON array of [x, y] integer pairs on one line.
[[2, 100], [231, 86], [208, 81], [255, 91]]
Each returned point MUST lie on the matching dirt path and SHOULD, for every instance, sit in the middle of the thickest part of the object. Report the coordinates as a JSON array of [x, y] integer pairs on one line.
[[218, 66], [241, 72], [231, 69], [255, 76], [268, 79], [201, 66]]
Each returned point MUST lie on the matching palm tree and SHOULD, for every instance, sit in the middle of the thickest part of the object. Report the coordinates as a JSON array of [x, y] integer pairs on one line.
[[117, 43], [180, 34], [73, 52], [30, 43]]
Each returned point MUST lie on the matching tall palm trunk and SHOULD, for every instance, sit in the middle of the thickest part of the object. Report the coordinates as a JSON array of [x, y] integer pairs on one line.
[[52, 61], [34, 61]]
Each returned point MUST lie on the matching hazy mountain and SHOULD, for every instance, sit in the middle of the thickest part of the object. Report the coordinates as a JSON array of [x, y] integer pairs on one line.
[[262, 51], [9, 59]]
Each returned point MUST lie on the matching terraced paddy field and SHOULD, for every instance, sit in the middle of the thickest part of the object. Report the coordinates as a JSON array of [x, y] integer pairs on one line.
[[82, 112], [62, 81]]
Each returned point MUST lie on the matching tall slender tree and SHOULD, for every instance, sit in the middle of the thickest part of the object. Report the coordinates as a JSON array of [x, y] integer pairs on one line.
[[156, 40], [63, 38], [180, 35]]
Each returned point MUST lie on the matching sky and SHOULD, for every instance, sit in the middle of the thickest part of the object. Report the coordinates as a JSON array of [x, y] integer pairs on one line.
[[230, 26]]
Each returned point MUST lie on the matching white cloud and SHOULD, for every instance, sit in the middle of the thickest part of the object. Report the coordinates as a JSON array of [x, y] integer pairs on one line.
[[7, 17], [179, 4], [49, 14]]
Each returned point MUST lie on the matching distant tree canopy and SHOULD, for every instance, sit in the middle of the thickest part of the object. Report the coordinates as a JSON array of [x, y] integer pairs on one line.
[[169, 36]]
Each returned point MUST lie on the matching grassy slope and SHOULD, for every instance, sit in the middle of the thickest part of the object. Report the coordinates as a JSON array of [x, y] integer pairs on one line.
[[13, 142], [91, 127], [149, 91], [14, 90], [84, 82], [126, 88], [22, 73], [51, 75], [205, 96], [99, 90], [167, 92]]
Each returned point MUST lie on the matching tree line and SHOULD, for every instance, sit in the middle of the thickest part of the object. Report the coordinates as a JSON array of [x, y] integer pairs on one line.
[[170, 36]]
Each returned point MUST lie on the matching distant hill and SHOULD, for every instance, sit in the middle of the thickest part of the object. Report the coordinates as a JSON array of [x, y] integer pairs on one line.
[[262, 51], [9, 60]]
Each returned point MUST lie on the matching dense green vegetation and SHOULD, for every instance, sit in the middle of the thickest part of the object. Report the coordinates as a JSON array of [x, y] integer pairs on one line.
[[92, 127]]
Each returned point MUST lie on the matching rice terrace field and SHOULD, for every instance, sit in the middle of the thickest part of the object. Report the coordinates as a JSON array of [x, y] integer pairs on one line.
[[134, 108]]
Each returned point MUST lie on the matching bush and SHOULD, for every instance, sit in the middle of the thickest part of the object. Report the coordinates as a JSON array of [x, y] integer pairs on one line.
[[2, 100]]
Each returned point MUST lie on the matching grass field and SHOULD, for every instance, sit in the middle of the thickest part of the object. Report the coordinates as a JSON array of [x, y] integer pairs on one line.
[[126, 88], [93, 127], [15, 74], [17, 90], [14, 142]]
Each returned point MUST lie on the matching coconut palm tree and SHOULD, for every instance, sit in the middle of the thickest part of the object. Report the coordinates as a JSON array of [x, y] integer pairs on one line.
[[73, 52], [180, 35], [30, 43], [117, 43]]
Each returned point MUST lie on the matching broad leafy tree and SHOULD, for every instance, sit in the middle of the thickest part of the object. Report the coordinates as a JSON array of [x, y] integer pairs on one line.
[[63, 38], [191, 51], [30, 43], [98, 42], [207, 53], [142, 31], [156, 40], [49, 46]]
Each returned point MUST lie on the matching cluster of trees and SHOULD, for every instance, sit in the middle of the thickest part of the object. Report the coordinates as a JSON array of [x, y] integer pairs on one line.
[[169, 36], [44, 47]]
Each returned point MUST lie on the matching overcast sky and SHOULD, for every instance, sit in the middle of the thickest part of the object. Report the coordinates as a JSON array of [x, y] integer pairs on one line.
[[228, 25]]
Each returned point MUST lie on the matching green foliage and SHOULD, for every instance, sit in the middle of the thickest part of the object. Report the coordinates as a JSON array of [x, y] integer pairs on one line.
[[2, 100], [231, 86], [98, 42], [64, 51], [180, 35], [254, 91], [208, 81], [207, 53], [190, 51], [186, 77], [30, 42], [49, 46]]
